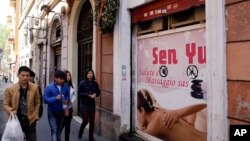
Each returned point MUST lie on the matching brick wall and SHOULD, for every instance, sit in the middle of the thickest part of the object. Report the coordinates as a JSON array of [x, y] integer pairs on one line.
[[238, 61]]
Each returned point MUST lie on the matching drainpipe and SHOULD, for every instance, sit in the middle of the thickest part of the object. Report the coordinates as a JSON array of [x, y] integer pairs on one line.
[[131, 81], [131, 135], [46, 50]]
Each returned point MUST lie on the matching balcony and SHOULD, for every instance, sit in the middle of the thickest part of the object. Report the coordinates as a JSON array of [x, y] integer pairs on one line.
[[8, 47], [11, 40], [9, 19], [13, 3], [9, 60], [10, 27]]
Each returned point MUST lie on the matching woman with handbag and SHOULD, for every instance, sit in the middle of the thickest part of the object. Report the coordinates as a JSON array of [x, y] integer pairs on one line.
[[88, 90], [68, 116]]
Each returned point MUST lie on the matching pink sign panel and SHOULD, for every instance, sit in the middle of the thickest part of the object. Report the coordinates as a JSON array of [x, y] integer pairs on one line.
[[171, 85]]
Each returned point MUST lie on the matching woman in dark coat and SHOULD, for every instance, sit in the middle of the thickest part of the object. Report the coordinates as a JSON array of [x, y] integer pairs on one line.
[[88, 90]]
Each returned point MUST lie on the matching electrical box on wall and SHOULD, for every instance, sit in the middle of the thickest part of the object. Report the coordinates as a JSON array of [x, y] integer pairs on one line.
[[187, 17], [151, 26]]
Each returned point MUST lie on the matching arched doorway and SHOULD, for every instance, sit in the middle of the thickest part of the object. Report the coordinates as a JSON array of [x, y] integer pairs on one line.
[[56, 48], [85, 39]]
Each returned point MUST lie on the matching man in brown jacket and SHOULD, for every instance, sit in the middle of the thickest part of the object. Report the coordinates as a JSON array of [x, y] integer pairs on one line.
[[23, 98]]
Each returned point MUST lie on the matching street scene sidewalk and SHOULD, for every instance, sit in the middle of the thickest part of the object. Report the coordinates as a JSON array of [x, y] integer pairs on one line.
[[43, 129]]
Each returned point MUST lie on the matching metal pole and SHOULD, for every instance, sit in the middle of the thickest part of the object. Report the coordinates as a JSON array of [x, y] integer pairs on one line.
[[46, 50]]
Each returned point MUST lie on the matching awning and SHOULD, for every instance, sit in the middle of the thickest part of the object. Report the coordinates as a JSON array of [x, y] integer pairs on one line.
[[159, 8]]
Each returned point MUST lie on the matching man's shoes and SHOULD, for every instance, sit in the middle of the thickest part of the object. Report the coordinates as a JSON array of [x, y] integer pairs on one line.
[[79, 136]]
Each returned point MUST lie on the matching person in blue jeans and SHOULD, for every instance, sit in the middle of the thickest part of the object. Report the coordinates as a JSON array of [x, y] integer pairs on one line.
[[54, 95], [73, 96]]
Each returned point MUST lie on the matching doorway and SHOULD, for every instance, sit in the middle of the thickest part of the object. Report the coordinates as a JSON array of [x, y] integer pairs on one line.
[[85, 41]]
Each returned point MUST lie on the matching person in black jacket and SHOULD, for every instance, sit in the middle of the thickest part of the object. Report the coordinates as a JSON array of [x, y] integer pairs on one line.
[[32, 77], [88, 90]]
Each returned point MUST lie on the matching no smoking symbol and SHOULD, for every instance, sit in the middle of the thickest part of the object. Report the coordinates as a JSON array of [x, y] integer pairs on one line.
[[192, 71], [163, 71]]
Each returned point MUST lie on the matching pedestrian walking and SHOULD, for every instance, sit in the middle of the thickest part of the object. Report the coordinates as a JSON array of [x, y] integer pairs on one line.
[[88, 90], [68, 118], [3, 78], [23, 99], [6, 78], [55, 94], [32, 80]]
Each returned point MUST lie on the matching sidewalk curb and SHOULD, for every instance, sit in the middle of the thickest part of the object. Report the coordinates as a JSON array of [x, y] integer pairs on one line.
[[79, 120], [130, 137]]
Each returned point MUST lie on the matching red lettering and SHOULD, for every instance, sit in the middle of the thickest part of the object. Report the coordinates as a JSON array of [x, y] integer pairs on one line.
[[155, 61], [190, 52], [172, 56], [183, 84], [161, 58], [202, 55]]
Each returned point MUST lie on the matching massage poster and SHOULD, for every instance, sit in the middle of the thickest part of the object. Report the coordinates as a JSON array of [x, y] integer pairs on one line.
[[171, 76]]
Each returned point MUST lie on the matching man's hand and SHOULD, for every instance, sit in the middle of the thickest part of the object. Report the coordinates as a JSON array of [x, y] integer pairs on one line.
[[11, 110], [59, 97], [93, 95], [170, 118], [14, 112]]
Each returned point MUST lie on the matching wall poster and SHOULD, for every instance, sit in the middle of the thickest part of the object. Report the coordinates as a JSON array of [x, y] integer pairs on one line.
[[171, 86]]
